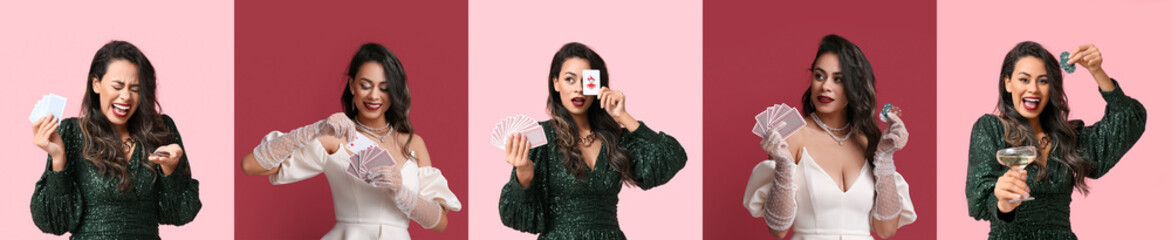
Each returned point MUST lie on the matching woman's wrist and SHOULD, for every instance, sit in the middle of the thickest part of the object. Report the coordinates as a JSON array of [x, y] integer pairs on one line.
[[1004, 207], [58, 162], [1104, 81], [627, 121], [167, 170], [524, 175]]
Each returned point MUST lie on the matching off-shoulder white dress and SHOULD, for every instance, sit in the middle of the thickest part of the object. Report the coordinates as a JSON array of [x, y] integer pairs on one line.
[[824, 211], [363, 211]]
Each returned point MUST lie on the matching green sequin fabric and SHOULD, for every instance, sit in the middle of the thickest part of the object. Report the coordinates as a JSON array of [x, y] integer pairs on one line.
[[83, 202], [559, 206], [1047, 217]]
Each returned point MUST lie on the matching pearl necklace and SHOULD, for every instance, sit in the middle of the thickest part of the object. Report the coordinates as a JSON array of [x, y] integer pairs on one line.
[[829, 130], [370, 130]]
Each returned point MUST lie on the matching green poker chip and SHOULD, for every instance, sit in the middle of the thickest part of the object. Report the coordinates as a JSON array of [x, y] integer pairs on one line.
[[1067, 67], [885, 110]]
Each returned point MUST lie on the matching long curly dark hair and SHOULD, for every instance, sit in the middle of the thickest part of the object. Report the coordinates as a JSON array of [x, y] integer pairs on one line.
[[1054, 118], [399, 112], [565, 130], [858, 84], [101, 143]]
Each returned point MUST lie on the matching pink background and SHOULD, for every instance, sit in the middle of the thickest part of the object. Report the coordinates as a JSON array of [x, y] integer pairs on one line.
[[973, 39], [299, 63], [758, 54], [655, 60], [47, 48]]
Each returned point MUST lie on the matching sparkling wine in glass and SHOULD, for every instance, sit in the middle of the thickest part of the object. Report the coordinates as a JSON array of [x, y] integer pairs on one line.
[[1017, 158]]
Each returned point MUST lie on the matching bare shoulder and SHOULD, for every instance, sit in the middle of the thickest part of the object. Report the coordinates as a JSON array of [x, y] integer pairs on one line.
[[418, 146], [416, 143]]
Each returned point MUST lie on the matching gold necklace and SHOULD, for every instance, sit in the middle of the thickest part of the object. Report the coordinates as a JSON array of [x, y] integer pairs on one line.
[[588, 139], [1043, 142], [128, 144]]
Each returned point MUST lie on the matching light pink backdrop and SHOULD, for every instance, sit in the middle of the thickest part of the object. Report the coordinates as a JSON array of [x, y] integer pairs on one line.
[[47, 48], [974, 36], [654, 53]]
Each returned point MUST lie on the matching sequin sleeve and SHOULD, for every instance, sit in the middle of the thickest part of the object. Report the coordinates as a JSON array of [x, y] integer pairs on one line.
[[57, 203], [656, 156], [179, 192], [523, 208], [1104, 143], [983, 169]]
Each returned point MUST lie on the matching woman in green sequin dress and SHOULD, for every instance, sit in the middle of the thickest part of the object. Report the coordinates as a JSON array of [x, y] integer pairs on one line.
[[568, 188], [118, 171], [1033, 111]]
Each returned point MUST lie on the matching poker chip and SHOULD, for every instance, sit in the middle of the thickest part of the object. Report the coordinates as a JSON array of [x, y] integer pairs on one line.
[[1067, 67], [885, 110]]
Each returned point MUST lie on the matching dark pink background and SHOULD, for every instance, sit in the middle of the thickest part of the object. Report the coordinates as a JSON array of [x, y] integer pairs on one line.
[[758, 53], [290, 70]]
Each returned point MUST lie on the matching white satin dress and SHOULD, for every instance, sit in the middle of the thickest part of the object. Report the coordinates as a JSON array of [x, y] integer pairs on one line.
[[362, 210], [824, 211]]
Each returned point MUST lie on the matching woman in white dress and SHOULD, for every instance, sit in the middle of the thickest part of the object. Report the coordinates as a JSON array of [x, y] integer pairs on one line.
[[818, 183], [377, 102]]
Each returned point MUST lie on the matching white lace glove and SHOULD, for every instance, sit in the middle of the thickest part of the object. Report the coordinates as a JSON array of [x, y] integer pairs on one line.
[[780, 209], [426, 214], [888, 204], [271, 153]]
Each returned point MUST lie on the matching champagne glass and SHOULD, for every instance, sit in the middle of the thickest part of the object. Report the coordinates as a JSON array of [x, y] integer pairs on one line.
[[1017, 158]]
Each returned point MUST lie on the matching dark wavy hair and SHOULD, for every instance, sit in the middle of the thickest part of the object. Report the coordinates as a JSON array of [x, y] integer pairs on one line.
[[565, 130], [858, 84], [101, 143], [1054, 117], [398, 114]]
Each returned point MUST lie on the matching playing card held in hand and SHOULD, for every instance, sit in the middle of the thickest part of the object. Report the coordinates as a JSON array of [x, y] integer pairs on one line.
[[591, 81], [518, 124], [363, 161], [49, 104], [773, 116]]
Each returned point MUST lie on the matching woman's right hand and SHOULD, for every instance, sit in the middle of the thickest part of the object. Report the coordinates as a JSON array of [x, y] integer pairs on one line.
[[1011, 186], [775, 145], [516, 153], [45, 137]]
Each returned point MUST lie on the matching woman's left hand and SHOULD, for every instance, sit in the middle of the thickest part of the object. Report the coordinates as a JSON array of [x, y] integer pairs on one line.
[[388, 177], [1088, 56], [894, 137], [167, 157], [614, 102]]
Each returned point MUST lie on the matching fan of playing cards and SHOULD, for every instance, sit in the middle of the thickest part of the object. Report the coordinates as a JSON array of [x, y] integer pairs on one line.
[[518, 124], [49, 104], [773, 116], [363, 161]]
